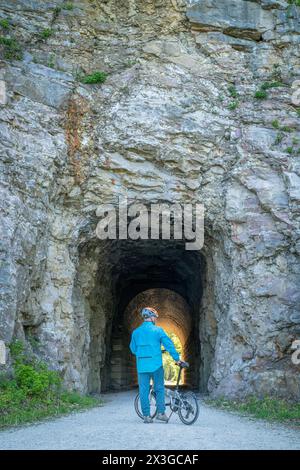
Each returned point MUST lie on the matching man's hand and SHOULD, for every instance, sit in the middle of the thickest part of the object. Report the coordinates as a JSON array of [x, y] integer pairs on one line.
[[178, 362]]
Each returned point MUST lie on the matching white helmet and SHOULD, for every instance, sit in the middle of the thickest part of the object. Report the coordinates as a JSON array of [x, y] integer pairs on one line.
[[149, 312]]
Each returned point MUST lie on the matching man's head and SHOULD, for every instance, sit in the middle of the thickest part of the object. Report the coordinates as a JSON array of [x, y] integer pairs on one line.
[[149, 314]]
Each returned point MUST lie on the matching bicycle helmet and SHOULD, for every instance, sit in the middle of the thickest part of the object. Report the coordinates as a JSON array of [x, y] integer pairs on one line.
[[149, 312]]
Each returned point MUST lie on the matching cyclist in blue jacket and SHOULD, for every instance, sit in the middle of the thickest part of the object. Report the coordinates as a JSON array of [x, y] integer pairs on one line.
[[145, 344]]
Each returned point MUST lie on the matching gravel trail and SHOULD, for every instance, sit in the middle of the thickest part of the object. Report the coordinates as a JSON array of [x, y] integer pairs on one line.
[[116, 426]]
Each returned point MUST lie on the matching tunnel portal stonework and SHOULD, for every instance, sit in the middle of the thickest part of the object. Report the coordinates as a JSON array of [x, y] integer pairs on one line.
[[178, 119]]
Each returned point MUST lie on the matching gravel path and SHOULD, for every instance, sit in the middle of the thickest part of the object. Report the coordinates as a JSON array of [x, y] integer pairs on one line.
[[116, 426]]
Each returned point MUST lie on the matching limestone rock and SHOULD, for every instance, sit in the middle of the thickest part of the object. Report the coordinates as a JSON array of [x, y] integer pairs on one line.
[[175, 121], [239, 18], [295, 99], [2, 353], [3, 96], [40, 84]]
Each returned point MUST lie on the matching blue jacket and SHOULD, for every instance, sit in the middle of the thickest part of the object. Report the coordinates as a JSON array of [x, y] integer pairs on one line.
[[146, 342]]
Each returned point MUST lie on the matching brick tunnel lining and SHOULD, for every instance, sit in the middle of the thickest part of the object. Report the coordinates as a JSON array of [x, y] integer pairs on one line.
[[163, 266], [174, 316]]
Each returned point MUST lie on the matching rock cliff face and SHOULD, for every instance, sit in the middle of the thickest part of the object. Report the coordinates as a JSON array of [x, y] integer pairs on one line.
[[201, 104]]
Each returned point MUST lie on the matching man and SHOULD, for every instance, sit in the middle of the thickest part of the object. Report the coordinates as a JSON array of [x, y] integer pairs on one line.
[[146, 342]]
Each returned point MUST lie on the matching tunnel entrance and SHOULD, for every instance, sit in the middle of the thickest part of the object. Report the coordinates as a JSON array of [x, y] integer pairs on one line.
[[162, 274], [175, 316], [115, 279]]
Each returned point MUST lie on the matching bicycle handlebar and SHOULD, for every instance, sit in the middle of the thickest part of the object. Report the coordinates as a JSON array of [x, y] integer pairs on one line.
[[183, 364]]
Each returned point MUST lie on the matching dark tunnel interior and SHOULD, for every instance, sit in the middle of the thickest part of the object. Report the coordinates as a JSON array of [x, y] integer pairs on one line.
[[162, 274]]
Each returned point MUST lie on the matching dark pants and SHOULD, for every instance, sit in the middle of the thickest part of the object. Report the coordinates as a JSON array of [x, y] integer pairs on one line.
[[159, 388]]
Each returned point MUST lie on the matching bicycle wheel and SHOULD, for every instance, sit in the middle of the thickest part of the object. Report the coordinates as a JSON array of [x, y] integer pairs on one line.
[[189, 409], [137, 405]]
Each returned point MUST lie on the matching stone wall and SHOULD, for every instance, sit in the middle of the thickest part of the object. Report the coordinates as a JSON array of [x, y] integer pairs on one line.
[[176, 120]]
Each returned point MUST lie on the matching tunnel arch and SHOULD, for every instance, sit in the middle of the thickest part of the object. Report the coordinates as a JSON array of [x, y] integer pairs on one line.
[[139, 267], [174, 311], [174, 316], [109, 275]]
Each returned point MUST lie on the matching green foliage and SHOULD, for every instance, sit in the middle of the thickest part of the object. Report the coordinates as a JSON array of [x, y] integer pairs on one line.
[[268, 85], [17, 350], [56, 12], [10, 396], [95, 77], [34, 391], [67, 6], [11, 48], [77, 400], [289, 150], [36, 379], [275, 124], [170, 368], [131, 63], [279, 138], [260, 95], [16, 409], [51, 61], [267, 408], [46, 33], [32, 376], [233, 105], [294, 2], [4, 23], [33, 341], [232, 91]]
